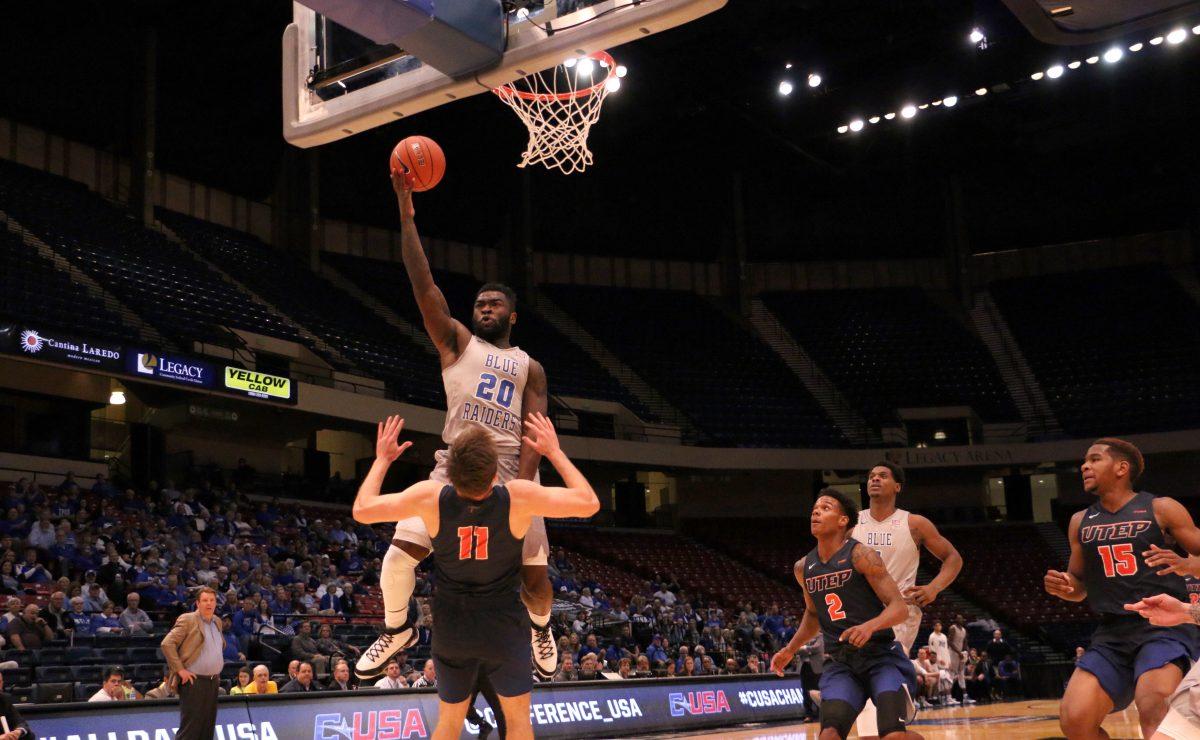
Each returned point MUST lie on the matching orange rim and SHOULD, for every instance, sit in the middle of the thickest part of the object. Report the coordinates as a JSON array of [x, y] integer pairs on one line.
[[603, 58]]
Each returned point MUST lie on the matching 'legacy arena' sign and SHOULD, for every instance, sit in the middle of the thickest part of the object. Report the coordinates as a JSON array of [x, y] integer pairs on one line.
[[258, 385]]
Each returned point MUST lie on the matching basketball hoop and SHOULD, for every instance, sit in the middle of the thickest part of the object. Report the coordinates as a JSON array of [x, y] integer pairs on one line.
[[559, 112]]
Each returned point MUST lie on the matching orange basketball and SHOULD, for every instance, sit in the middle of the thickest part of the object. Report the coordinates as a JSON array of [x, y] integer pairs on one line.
[[421, 156]]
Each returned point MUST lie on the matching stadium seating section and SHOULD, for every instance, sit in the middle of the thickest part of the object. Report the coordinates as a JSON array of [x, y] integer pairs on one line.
[[893, 348], [1115, 349], [709, 365]]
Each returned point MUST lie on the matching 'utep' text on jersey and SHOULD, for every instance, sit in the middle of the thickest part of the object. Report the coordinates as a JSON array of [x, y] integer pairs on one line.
[[475, 554], [484, 387], [842, 596], [1115, 572]]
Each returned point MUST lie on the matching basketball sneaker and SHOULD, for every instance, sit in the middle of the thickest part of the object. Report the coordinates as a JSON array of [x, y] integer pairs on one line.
[[545, 651], [373, 662]]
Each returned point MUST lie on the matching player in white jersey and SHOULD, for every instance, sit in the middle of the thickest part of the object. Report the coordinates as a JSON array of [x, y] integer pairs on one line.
[[490, 384], [898, 537]]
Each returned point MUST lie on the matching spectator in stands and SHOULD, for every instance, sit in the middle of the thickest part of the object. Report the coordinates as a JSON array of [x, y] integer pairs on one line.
[[589, 668], [393, 678], [428, 677], [261, 682], [133, 619], [327, 644], [689, 667], [331, 599], [561, 563], [230, 651], [29, 631], [93, 600], [340, 680], [43, 535], [978, 675], [77, 621], [566, 669], [1008, 675], [107, 622], [655, 652], [998, 648], [303, 682], [665, 596], [293, 669], [55, 614], [166, 689], [243, 680], [304, 647], [753, 664], [31, 571], [643, 667], [113, 688], [8, 578]]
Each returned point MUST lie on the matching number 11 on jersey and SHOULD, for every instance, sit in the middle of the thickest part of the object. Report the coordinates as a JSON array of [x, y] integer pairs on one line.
[[472, 543]]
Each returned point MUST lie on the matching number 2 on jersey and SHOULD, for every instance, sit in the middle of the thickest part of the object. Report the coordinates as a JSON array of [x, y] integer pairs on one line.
[[472, 543], [487, 390], [834, 602], [1118, 560]]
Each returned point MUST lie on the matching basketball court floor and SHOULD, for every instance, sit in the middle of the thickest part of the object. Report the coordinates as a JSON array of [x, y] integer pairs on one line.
[[1024, 720]]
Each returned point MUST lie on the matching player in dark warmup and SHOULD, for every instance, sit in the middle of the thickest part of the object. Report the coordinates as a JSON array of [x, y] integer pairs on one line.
[[850, 598], [478, 528], [1118, 546]]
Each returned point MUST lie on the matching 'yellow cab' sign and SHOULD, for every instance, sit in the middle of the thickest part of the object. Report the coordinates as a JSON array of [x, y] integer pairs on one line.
[[259, 385]]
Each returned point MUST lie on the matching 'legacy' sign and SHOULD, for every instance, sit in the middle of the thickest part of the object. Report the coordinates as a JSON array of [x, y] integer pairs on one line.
[[171, 368]]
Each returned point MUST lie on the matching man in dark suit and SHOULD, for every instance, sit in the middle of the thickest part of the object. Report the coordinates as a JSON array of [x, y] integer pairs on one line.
[[16, 726]]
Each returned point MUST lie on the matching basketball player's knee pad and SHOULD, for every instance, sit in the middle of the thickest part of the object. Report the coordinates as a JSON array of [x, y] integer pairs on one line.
[[839, 715], [892, 707]]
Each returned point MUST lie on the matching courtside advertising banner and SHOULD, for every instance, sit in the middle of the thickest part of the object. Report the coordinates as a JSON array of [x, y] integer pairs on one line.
[[601, 709]]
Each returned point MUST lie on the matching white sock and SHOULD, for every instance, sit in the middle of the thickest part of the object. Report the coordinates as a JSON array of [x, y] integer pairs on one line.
[[397, 581], [540, 620]]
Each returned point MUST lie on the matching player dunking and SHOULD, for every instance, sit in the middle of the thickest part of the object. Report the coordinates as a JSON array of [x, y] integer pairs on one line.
[[1117, 545], [898, 537], [850, 598], [477, 526], [490, 385]]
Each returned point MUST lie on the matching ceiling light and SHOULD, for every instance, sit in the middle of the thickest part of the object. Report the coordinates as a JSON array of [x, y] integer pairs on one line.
[[1177, 36], [570, 62], [908, 111], [981, 91], [950, 101], [939, 435], [788, 65], [814, 80], [117, 398], [1113, 55], [873, 120], [856, 124], [1137, 47], [1156, 40], [1092, 60], [585, 67], [785, 88], [1075, 64], [923, 106], [976, 36], [889, 116], [843, 129], [621, 70], [612, 84], [1055, 72], [1196, 30], [1037, 76]]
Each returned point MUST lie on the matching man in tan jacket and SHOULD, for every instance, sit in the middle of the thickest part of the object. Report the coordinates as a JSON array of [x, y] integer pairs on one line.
[[193, 651]]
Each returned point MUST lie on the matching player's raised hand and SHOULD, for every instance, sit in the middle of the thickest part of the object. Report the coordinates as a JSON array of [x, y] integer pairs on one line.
[[387, 440], [857, 635], [402, 184], [1162, 610], [780, 661], [1058, 584], [540, 434], [1170, 561]]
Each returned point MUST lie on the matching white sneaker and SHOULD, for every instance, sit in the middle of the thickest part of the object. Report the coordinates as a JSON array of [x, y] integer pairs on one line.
[[969, 700], [373, 662], [545, 651], [952, 702]]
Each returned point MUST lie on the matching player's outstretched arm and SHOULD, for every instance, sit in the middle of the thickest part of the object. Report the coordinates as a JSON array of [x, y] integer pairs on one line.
[[870, 564], [575, 499], [447, 333], [417, 500], [1166, 611], [927, 536], [1069, 586], [533, 401], [808, 629]]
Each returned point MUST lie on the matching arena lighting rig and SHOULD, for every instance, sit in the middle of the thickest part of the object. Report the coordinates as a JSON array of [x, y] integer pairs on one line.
[[1111, 55]]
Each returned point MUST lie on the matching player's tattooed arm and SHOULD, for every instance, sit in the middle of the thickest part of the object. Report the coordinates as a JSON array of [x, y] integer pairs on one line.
[[926, 534], [808, 629], [1175, 520], [870, 564], [447, 333], [1069, 585], [535, 400]]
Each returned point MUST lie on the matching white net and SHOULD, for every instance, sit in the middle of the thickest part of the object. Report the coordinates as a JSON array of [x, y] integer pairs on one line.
[[559, 106]]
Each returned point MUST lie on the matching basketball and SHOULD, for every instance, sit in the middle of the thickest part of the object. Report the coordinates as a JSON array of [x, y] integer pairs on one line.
[[421, 156]]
